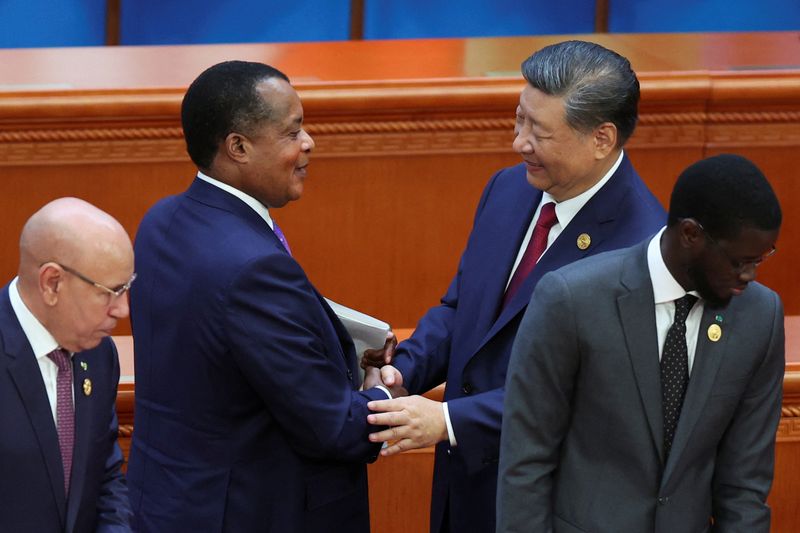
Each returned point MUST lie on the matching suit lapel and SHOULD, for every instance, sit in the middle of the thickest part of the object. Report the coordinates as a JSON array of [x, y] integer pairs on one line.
[[84, 412], [636, 310], [24, 371], [502, 249], [707, 359], [594, 219]]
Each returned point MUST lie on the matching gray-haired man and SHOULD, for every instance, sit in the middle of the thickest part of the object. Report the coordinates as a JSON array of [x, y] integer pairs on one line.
[[575, 194]]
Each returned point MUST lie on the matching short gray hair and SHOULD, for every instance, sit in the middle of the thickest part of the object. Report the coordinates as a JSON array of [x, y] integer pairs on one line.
[[597, 85]]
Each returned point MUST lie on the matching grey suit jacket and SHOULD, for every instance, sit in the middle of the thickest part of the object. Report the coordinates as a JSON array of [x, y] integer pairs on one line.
[[582, 438]]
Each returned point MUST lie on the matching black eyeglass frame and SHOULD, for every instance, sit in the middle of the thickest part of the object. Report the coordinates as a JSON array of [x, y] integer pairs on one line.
[[737, 264]]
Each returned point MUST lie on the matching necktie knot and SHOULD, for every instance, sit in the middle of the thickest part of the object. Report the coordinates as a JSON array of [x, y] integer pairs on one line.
[[547, 216], [61, 358], [682, 307]]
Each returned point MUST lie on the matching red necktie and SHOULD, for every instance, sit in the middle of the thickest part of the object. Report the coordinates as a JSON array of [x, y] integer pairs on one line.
[[536, 247], [65, 414]]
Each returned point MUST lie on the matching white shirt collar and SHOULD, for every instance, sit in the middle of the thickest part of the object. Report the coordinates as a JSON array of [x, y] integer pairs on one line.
[[41, 341], [665, 287], [257, 206], [566, 210]]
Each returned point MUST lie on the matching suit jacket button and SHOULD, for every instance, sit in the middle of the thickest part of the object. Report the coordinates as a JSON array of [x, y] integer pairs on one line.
[[350, 375], [663, 500], [466, 388]]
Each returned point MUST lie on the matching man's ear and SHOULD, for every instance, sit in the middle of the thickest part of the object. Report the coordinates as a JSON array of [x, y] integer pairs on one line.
[[605, 139], [50, 279], [237, 147], [691, 235]]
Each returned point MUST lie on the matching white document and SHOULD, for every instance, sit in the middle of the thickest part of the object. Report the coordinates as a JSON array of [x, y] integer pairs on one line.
[[367, 331]]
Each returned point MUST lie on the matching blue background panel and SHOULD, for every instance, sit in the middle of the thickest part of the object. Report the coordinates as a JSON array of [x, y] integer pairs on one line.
[[402, 19], [708, 15], [232, 21], [37, 23]]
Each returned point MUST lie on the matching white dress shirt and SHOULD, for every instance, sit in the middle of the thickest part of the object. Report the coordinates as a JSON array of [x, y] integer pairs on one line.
[[665, 291], [42, 343]]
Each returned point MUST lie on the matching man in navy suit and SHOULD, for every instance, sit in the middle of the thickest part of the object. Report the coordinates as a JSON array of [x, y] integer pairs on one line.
[[249, 416], [576, 112], [59, 456]]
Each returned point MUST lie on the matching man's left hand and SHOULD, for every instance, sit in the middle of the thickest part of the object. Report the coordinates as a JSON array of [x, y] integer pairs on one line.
[[415, 422]]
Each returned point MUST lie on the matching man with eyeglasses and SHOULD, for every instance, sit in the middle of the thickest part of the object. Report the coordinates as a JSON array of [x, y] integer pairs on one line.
[[59, 457], [652, 403]]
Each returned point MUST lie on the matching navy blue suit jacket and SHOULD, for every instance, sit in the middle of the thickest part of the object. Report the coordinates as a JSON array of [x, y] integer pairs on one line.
[[248, 415], [32, 498], [466, 340]]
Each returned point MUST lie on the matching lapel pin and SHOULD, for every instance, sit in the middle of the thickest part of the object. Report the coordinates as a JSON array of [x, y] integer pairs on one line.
[[714, 332], [87, 387], [84, 366], [719, 318], [584, 240]]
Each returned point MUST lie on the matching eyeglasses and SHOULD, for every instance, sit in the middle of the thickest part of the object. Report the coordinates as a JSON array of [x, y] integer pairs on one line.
[[737, 264], [116, 293]]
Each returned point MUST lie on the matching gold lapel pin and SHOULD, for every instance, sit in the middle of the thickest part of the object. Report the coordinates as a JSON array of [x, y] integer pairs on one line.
[[87, 387], [84, 366], [584, 240], [714, 332]]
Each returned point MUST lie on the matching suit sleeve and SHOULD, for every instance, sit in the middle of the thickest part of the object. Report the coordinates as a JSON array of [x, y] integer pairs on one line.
[[746, 455], [113, 507], [423, 359], [539, 386], [276, 327]]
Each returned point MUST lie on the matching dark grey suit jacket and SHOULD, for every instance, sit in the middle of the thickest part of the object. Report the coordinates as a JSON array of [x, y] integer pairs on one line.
[[582, 438]]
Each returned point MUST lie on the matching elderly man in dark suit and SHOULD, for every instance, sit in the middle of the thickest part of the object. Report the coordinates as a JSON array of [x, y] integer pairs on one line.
[[575, 194], [59, 457], [651, 404]]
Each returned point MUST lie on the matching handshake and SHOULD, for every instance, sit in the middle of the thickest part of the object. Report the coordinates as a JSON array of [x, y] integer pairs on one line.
[[411, 421]]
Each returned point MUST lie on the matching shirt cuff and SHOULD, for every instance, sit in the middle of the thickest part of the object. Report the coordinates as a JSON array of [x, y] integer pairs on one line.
[[450, 434], [384, 389]]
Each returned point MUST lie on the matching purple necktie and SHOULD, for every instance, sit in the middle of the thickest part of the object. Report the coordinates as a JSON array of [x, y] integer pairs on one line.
[[281, 237], [65, 414], [536, 247]]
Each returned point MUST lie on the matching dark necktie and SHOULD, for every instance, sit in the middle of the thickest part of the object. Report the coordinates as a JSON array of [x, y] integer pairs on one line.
[[536, 247], [65, 414], [281, 237], [675, 370]]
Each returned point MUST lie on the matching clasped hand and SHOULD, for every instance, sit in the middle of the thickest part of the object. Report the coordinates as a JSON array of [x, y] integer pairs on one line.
[[414, 421]]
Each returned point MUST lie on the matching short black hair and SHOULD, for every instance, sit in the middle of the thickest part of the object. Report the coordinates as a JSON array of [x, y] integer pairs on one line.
[[725, 193], [224, 99], [597, 84]]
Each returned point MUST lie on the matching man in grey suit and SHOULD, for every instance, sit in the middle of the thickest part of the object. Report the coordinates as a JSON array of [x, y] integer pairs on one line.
[[644, 409]]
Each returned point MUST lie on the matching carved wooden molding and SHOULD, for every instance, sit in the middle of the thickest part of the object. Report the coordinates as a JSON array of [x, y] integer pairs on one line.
[[790, 411], [392, 137], [91, 134], [788, 430]]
